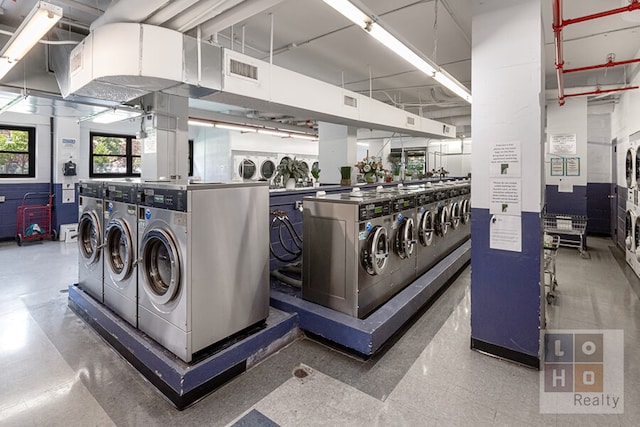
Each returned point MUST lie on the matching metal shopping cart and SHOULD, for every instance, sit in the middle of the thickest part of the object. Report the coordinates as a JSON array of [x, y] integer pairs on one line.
[[551, 245], [33, 220], [566, 226]]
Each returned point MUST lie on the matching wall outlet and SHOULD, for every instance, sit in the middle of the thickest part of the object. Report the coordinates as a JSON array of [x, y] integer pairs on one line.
[[1, 199]]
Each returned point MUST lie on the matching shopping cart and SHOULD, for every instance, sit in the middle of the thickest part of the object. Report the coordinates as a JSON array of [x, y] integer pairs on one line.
[[33, 220], [565, 226], [551, 245]]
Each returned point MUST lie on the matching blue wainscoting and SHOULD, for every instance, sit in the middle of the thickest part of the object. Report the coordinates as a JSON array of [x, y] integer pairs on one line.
[[14, 194], [574, 203]]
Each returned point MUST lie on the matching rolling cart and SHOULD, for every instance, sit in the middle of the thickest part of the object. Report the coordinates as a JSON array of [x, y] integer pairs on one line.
[[568, 225], [551, 245], [34, 218]]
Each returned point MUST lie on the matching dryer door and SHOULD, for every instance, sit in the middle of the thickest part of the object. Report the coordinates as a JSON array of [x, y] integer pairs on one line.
[[455, 215], [160, 262], [628, 240], [442, 220], [375, 253], [636, 231], [426, 229], [405, 240], [629, 168], [120, 250], [465, 211], [89, 237]]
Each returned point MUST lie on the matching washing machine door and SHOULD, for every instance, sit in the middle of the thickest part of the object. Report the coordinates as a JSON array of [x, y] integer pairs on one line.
[[405, 240], [426, 228], [267, 169], [629, 167], [375, 253], [160, 263], [637, 166], [636, 231], [442, 220], [455, 215], [465, 211], [247, 169], [119, 249], [89, 237], [628, 240]]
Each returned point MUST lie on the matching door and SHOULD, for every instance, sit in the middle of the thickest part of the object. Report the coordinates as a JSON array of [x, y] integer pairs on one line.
[[160, 262], [89, 238], [119, 250]]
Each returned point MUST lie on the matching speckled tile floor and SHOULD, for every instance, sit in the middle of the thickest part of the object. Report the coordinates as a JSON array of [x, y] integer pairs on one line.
[[56, 370]]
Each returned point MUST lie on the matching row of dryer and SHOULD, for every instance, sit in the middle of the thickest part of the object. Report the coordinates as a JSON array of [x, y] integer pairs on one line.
[[182, 263], [257, 167], [632, 216], [363, 247]]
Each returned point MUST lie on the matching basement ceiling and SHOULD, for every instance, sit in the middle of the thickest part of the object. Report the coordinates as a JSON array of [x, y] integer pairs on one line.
[[311, 38]]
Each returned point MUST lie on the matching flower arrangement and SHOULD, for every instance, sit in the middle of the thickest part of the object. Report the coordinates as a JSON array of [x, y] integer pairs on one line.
[[371, 167]]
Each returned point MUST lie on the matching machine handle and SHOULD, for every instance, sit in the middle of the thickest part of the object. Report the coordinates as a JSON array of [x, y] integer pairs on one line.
[[380, 255]]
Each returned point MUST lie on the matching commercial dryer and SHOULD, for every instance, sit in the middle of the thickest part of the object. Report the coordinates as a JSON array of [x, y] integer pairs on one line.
[[204, 263], [629, 241], [90, 218], [346, 251], [121, 250]]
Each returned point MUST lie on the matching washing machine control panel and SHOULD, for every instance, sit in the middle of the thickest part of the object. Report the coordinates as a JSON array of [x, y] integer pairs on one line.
[[121, 193], [373, 210], [426, 198], [91, 189], [465, 189], [163, 198], [403, 203], [442, 195]]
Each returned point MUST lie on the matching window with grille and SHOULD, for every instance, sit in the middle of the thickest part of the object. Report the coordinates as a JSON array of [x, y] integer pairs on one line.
[[17, 152], [114, 155]]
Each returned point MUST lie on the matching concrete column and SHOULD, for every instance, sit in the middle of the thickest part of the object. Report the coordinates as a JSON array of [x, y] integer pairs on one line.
[[508, 108], [66, 146], [165, 148], [337, 147]]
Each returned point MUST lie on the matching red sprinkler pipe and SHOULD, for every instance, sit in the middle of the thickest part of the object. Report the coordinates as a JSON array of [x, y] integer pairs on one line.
[[634, 5], [600, 91], [605, 65], [557, 30]]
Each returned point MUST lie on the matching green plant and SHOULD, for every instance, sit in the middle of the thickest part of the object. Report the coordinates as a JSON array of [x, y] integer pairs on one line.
[[292, 168], [315, 173], [345, 172]]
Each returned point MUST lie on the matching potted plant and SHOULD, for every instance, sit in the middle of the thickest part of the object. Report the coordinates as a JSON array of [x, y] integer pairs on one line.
[[370, 167], [315, 172], [291, 170], [345, 174]]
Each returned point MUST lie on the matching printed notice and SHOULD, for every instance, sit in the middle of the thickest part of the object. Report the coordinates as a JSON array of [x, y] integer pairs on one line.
[[150, 143], [505, 233], [573, 166], [563, 144], [557, 166], [505, 197], [505, 159], [565, 187]]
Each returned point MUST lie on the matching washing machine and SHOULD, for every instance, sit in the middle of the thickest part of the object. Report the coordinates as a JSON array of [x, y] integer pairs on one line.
[[427, 251], [346, 250], [203, 270], [246, 167], [630, 174], [121, 250], [90, 221], [636, 246], [268, 167], [402, 257], [459, 213], [630, 238], [442, 212]]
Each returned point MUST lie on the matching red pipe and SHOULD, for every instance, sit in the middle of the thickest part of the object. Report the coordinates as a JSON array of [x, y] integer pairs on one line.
[[600, 91], [605, 65], [634, 5], [557, 30]]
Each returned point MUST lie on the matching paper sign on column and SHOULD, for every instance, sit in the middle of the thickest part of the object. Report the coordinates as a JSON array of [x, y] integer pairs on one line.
[[505, 233], [563, 144], [505, 197], [505, 159]]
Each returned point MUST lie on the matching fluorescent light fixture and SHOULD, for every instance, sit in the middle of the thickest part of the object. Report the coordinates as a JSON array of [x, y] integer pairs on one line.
[[14, 101], [358, 17], [37, 23], [363, 144], [274, 133], [303, 136], [238, 128], [202, 123], [112, 115]]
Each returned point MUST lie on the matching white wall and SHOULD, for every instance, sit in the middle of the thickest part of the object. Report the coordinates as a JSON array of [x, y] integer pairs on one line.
[[599, 146]]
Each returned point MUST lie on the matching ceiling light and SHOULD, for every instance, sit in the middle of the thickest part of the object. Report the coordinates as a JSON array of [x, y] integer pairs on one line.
[[303, 136], [362, 144], [13, 102], [112, 115], [37, 23], [453, 85], [273, 133], [349, 11], [401, 49], [194, 122], [238, 128]]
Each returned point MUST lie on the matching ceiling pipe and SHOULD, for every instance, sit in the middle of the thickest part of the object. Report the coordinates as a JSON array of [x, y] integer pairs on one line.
[[599, 91], [559, 23]]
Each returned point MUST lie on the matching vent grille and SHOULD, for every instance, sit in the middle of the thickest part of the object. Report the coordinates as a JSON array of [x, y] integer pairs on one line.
[[242, 69], [76, 61], [350, 101], [411, 121]]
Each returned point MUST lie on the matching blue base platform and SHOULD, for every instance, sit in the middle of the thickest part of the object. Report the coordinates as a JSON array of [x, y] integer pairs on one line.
[[366, 336], [183, 383]]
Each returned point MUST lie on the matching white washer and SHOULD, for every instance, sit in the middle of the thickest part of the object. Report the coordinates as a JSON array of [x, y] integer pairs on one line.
[[246, 167], [90, 259], [202, 277], [267, 167], [630, 173], [121, 250]]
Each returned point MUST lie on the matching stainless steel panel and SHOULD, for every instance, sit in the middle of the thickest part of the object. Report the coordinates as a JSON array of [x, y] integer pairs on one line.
[[91, 271]]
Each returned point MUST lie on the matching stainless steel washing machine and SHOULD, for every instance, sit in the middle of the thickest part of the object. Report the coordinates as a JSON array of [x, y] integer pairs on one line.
[[121, 250], [346, 249], [402, 257], [459, 215], [427, 250], [90, 260], [204, 263]]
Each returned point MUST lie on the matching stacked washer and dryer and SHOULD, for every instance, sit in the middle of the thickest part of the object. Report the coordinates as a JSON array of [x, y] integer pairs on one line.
[[631, 167]]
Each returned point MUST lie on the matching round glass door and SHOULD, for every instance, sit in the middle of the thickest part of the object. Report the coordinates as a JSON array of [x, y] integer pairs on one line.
[[119, 250], [405, 240], [442, 220], [637, 166], [629, 168], [455, 215], [89, 237], [426, 228], [375, 253], [160, 266], [628, 241], [465, 211], [247, 169], [267, 169], [637, 238]]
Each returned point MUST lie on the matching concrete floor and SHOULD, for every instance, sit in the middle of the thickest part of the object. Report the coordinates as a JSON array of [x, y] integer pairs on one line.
[[55, 370]]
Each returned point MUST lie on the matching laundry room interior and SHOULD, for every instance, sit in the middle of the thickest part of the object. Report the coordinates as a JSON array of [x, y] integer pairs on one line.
[[303, 212]]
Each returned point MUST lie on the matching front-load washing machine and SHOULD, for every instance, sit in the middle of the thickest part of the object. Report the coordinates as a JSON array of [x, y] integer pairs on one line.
[[90, 219], [346, 252], [268, 167], [460, 227], [121, 250], [245, 167], [629, 241], [442, 211], [636, 246], [402, 257], [203, 270], [630, 173], [427, 251]]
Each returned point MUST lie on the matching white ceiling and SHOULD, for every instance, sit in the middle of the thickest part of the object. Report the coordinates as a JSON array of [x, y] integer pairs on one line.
[[312, 38]]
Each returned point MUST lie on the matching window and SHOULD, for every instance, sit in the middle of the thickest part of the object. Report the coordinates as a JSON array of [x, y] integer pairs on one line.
[[114, 155], [17, 152]]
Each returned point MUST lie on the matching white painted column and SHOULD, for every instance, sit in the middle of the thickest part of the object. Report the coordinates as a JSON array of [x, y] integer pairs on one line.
[[337, 147]]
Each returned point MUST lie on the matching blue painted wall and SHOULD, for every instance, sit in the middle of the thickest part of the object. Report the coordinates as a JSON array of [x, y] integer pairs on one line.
[[599, 208], [574, 203], [14, 194], [508, 296]]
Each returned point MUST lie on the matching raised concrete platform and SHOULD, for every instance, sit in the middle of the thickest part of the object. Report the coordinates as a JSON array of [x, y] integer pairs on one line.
[[180, 382], [366, 336]]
